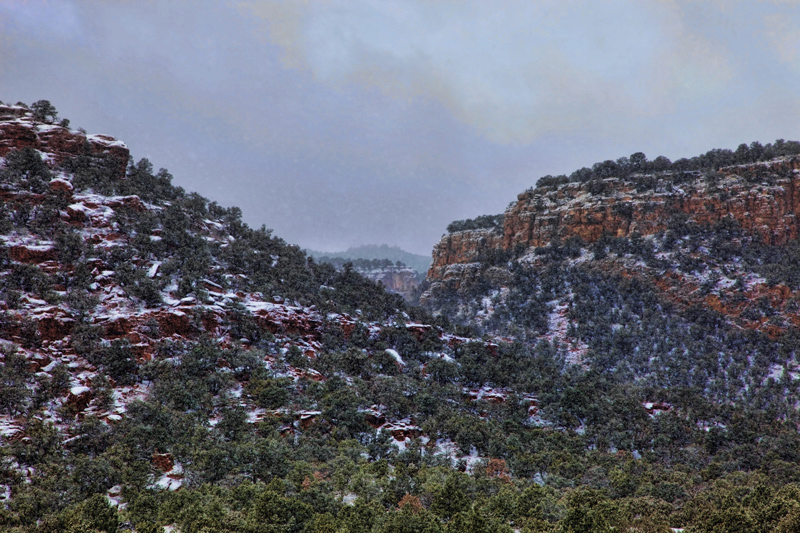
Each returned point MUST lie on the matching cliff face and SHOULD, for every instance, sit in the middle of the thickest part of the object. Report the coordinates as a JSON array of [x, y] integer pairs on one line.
[[462, 247], [763, 198], [400, 280], [18, 130]]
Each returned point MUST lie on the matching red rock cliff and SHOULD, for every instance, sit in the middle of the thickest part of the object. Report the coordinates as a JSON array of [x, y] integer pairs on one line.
[[763, 197], [18, 130]]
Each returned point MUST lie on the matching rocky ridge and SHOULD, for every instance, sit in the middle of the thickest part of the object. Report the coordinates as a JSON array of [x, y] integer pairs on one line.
[[57, 143], [764, 198], [45, 329], [760, 201]]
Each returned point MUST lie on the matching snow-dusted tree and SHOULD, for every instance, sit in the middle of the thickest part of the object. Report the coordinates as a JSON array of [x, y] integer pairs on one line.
[[42, 110]]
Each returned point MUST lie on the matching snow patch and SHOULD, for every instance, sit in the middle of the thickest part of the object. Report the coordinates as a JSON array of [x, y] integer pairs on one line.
[[396, 356]]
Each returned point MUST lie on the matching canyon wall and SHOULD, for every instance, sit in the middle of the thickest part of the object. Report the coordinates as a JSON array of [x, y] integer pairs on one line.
[[19, 130], [764, 198]]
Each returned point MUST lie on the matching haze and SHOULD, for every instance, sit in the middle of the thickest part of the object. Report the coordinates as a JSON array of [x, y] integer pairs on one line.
[[339, 123]]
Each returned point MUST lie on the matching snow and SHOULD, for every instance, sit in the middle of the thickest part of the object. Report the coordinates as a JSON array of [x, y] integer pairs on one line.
[[210, 284], [401, 444], [472, 459], [113, 497], [167, 483], [77, 391], [172, 480], [440, 355], [487, 393], [106, 140], [775, 372], [256, 415], [44, 247], [151, 273], [558, 325], [8, 428], [396, 356]]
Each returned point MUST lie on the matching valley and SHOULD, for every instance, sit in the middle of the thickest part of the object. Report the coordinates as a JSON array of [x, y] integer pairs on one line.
[[617, 351]]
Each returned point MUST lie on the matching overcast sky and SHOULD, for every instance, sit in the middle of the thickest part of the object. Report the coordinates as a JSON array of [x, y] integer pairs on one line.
[[346, 122]]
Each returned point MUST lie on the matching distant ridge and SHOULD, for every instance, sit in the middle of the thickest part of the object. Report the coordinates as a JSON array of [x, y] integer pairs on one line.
[[420, 263]]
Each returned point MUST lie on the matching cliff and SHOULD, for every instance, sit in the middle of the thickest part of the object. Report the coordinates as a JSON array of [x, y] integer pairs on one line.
[[764, 198], [19, 130], [400, 280]]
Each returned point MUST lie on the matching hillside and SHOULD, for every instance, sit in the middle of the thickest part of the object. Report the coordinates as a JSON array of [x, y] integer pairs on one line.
[[703, 260], [165, 367]]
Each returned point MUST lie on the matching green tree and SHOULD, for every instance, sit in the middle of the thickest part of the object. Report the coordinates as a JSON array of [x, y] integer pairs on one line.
[[42, 110], [14, 375], [588, 511], [26, 168], [473, 521], [409, 521], [453, 497]]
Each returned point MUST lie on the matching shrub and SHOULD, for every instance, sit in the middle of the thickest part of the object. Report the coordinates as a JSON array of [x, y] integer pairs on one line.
[[269, 393], [494, 222], [26, 168]]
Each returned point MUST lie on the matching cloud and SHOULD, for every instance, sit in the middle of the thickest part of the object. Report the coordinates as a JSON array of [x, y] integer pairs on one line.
[[343, 121], [53, 21], [515, 71], [784, 35]]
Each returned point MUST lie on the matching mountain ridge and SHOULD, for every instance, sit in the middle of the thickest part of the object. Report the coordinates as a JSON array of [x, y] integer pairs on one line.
[[618, 207], [419, 263]]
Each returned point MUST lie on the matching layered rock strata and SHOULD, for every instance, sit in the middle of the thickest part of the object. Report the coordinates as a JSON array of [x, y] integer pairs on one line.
[[764, 198], [19, 130]]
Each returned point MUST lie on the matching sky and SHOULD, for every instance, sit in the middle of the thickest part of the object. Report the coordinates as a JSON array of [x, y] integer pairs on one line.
[[345, 122]]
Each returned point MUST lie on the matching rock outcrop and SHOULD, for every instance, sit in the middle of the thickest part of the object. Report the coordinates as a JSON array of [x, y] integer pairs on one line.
[[402, 280], [462, 247], [19, 130], [764, 198]]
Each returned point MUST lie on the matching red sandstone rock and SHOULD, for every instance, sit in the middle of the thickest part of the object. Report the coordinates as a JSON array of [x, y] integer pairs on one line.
[[304, 419], [134, 202], [79, 398], [401, 431], [163, 461], [17, 131], [173, 323], [118, 327], [769, 211], [32, 254], [61, 185], [55, 327]]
